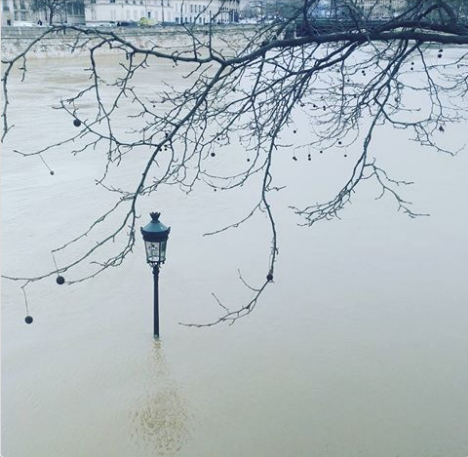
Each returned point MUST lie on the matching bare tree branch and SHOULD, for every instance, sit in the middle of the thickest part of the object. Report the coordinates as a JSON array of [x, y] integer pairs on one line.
[[349, 76]]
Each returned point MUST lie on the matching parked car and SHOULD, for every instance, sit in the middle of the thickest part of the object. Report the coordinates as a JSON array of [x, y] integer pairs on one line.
[[146, 22], [127, 24]]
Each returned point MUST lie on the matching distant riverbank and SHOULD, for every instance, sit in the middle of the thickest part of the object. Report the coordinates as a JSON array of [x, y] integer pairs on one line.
[[61, 43]]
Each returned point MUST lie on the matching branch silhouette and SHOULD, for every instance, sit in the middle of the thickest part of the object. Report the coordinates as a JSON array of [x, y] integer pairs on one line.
[[349, 81]]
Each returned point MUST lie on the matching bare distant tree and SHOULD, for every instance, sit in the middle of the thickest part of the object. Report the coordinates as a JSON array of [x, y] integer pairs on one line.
[[349, 80], [52, 8]]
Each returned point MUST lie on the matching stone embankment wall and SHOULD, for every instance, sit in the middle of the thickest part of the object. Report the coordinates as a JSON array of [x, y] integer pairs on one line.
[[169, 38]]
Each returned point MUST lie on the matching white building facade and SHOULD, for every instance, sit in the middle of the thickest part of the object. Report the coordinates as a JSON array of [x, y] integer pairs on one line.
[[163, 11], [14, 10]]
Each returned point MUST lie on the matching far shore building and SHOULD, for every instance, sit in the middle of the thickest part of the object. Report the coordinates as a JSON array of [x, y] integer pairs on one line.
[[381, 9], [163, 11], [19, 12], [14, 10]]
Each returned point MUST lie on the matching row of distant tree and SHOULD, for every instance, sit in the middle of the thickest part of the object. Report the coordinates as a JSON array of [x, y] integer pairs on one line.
[[385, 9], [342, 9], [260, 9]]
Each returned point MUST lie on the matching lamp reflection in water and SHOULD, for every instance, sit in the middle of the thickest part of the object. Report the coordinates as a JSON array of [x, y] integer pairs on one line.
[[162, 420]]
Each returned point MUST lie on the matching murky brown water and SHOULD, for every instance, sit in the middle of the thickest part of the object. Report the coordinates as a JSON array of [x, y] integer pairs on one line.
[[359, 349]]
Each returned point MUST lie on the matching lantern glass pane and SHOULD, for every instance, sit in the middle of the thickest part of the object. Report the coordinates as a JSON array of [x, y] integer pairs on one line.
[[153, 251], [163, 250]]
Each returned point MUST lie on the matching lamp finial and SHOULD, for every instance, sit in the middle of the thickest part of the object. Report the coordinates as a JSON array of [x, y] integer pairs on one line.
[[155, 216]]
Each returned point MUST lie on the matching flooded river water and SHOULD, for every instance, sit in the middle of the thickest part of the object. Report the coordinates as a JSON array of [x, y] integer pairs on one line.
[[358, 349]]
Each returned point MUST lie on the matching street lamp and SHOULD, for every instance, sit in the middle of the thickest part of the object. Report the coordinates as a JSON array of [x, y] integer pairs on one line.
[[155, 235]]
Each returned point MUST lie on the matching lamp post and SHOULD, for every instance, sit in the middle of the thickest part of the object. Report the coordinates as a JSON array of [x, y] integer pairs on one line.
[[155, 235]]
